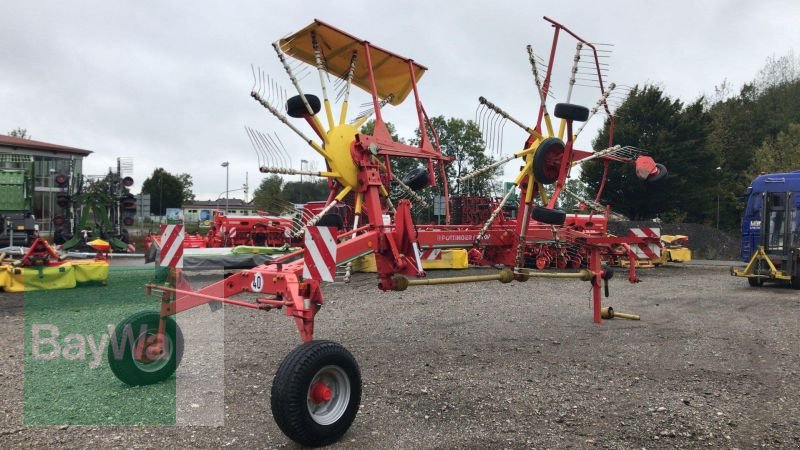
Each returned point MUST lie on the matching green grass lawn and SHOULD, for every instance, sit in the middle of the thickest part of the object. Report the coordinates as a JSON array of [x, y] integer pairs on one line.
[[63, 388]]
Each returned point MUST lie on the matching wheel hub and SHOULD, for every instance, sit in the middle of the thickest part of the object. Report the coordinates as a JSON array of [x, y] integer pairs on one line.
[[328, 395], [320, 392], [151, 353]]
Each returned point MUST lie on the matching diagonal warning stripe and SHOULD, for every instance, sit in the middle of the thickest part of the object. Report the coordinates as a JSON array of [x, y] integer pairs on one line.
[[320, 254], [172, 246]]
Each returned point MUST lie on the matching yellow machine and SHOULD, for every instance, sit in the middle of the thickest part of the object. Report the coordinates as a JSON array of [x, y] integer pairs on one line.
[[675, 249]]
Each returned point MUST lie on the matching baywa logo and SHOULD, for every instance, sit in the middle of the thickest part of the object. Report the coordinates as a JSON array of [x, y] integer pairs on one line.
[[47, 344]]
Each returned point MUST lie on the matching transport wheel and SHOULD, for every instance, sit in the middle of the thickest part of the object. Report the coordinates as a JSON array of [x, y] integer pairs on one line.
[[157, 363], [755, 282], [658, 176], [331, 219], [549, 216], [569, 111], [316, 393], [418, 178], [297, 109], [547, 160]]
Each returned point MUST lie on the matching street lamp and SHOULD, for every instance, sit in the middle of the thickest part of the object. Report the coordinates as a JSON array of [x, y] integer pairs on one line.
[[51, 206], [160, 197], [226, 165], [719, 170]]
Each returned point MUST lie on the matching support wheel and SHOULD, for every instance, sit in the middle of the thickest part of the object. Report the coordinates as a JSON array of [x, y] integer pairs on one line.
[[547, 160], [295, 107], [658, 176], [549, 216], [135, 355], [755, 282], [316, 393], [569, 111]]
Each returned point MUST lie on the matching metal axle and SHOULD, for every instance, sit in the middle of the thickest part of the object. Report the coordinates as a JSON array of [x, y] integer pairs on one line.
[[583, 275], [401, 283]]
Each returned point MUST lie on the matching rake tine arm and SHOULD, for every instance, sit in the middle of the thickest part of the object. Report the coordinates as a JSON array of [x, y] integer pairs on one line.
[[600, 102], [497, 110]]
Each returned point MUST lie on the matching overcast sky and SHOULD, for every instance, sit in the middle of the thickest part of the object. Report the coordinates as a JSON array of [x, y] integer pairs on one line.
[[167, 82]]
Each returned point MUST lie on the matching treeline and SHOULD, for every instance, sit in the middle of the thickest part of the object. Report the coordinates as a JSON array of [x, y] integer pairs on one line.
[[713, 147], [276, 196]]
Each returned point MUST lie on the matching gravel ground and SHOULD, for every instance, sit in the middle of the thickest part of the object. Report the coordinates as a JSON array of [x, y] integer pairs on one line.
[[713, 363]]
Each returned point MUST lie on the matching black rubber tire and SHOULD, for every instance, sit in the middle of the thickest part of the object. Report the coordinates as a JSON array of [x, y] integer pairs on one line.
[[290, 388], [331, 220], [572, 112], [658, 176], [796, 282], [417, 179], [124, 366], [543, 169], [548, 215], [297, 109], [755, 282]]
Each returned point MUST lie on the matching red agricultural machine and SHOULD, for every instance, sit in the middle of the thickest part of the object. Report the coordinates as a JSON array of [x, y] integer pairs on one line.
[[260, 230], [317, 388], [226, 230]]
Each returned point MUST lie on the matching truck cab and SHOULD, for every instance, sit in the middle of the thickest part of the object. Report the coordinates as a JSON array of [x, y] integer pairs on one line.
[[771, 229]]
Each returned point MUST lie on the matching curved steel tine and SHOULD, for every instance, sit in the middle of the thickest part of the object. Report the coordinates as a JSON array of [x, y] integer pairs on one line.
[[276, 161], [253, 144], [253, 69], [273, 149], [285, 151], [487, 127], [502, 135], [264, 151]]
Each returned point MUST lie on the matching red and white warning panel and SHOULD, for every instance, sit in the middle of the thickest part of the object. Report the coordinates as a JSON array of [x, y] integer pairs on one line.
[[648, 250], [320, 254], [172, 246]]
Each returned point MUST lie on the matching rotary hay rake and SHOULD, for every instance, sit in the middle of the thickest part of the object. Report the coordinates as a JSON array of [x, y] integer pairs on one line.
[[317, 388]]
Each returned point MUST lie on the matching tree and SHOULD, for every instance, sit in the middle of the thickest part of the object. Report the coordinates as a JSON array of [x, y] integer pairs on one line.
[[166, 191], [400, 166], [781, 153], [673, 135], [110, 185], [268, 196], [186, 181], [576, 186], [746, 122], [21, 133], [462, 140], [305, 191]]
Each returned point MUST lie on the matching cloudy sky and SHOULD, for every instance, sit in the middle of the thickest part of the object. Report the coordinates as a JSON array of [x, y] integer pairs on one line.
[[167, 82]]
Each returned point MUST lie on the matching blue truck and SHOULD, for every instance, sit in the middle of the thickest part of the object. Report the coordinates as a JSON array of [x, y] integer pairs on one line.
[[771, 230]]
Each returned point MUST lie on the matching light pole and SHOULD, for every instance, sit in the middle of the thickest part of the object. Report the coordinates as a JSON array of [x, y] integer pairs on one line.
[[160, 198], [719, 170], [51, 206], [303, 165], [226, 165]]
